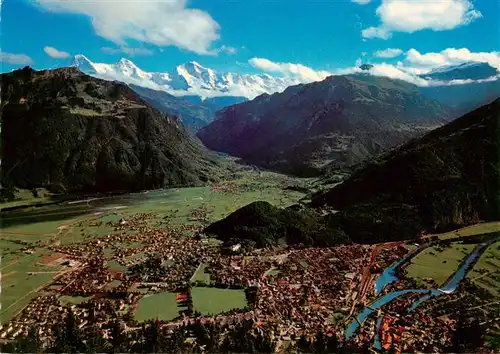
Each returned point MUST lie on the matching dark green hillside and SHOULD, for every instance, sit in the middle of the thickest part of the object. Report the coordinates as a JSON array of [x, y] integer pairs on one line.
[[67, 131], [446, 179], [450, 177], [261, 224]]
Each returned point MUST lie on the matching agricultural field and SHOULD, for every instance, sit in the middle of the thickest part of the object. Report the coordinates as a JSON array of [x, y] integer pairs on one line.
[[478, 229], [27, 235], [486, 272], [438, 262], [22, 276], [73, 300]]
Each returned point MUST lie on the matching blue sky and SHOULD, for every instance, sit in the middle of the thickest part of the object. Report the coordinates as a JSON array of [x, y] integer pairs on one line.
[[227, 34]]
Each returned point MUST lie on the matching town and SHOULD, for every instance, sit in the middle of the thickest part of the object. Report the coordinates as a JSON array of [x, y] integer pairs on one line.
[[289, 292]]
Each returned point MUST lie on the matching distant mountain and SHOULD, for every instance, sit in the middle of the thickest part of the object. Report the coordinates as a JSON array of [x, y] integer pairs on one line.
[[466, 71], [190, 79], [446, 179], [216, 103], [463, 87], [67, 131], [194, 116], [341, 120]]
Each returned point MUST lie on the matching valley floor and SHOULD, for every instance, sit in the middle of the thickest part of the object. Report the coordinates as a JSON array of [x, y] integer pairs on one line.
[[140, 257]]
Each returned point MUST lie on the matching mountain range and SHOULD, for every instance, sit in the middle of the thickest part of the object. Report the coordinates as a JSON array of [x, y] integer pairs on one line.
[[67, 131], [470, 85], [211, 91], [448, 178], [341, 120], [190, 79], [199, 84]]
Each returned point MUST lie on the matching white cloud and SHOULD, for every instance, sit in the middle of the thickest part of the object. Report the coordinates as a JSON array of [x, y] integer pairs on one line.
[[388, 53], [411, 16], [359, 61], [393, 72], [450, 56], [385, 70], [228, 50], [54, 53], [299, 72], [160, 22], [127, 50], [15, 59], [415, 64], [361, 2], [376, 32]]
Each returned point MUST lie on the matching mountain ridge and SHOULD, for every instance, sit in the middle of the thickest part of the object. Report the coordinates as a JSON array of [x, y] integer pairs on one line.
[[194, 116], [450, 176], [342, 118], [189, 79], [68, 131], [447, 179]]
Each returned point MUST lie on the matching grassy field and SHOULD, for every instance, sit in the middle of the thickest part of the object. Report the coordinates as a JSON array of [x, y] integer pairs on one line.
[[73, 300], [212, 300], [116, 267], [273, 272], [486, 272], [162, 306], [26, 197], [22, 276], [437, 263], [478, 229]]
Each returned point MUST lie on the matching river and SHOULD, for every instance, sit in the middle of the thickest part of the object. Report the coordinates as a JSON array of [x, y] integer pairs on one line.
[[388, 276]]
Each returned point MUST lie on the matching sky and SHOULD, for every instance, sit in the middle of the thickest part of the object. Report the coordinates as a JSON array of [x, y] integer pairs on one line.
[[281, 37]]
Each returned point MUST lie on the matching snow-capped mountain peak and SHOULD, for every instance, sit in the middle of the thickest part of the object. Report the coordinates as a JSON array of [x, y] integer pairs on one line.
[[195, 65], [83, 63], [128, 68], [187, 79]]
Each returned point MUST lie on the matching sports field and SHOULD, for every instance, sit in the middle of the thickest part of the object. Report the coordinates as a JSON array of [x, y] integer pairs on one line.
[[213, 300], [160, 306]]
